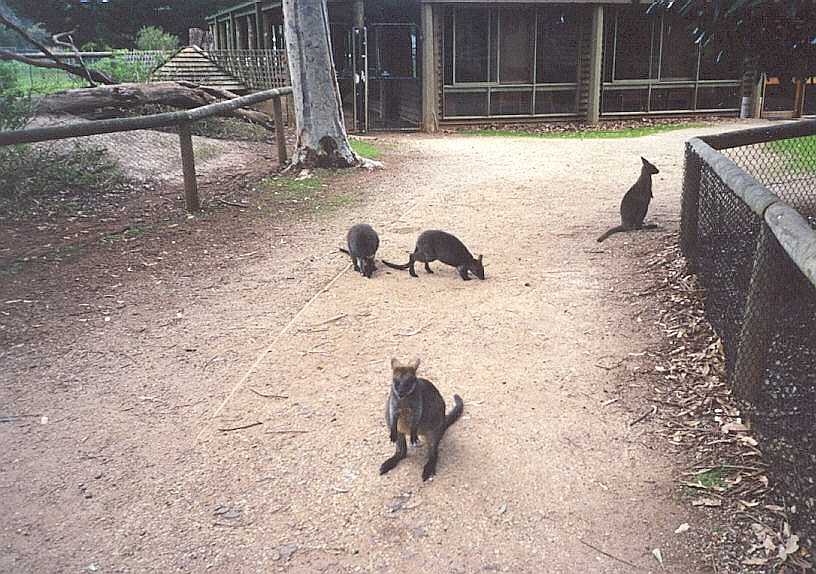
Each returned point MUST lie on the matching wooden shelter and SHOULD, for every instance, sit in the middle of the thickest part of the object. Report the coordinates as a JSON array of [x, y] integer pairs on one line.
[[422, 64]]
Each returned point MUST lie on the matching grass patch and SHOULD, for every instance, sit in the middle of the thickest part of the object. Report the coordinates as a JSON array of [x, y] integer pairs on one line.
[[365, 149], [587, 134], [713, 478], [128, 233], [800, 152], [284, 188], [312, 192]]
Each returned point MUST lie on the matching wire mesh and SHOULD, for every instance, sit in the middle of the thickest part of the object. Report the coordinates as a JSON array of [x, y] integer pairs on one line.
[[762, 306], [787, 167]]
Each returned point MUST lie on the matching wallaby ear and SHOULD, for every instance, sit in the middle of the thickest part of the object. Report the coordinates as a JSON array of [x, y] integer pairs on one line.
[[414, 364], [644, 160], [480, 258], [394, 363]]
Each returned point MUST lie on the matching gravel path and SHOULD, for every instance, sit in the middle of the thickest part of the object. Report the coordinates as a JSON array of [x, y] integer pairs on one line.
[[129, 472]]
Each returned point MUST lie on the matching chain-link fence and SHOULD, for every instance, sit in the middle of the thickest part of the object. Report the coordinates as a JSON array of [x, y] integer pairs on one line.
[[749, 201], [122, 66]]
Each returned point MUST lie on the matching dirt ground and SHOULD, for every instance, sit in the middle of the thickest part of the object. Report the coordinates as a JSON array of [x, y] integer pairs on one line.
[[123, 360]]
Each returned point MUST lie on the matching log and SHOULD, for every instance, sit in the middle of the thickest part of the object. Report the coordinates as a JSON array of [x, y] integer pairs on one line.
[[175, 94]]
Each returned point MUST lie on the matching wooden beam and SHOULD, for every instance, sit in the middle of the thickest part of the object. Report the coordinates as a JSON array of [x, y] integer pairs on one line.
[[260, 27], [358, 20], [430, 121], [761, 134], [595, 66], [154, 121]]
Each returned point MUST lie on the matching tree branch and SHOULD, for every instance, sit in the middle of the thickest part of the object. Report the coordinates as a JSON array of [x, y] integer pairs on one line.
[[56, 63], [70, 44]]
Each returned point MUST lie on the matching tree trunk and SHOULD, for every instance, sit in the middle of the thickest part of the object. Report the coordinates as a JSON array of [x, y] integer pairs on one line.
[[176, 94], [321, 133]]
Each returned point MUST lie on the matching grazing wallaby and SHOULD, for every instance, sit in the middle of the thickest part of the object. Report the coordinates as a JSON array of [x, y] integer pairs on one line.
[[362, 242], [436, 245], [415, 408], [635, 203]]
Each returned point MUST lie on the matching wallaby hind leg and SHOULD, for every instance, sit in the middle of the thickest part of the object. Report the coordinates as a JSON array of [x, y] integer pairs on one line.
[[433, 455], [402, 452], [411, 261], [428, 268], [356, 265]]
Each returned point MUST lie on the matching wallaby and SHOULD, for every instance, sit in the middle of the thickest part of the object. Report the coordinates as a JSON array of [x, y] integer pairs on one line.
[[362, 242], [635, 203], [438, 245], [414, 408]]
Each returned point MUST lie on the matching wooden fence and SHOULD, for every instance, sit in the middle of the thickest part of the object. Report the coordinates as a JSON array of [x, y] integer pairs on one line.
[[182, 119], [257, 69]]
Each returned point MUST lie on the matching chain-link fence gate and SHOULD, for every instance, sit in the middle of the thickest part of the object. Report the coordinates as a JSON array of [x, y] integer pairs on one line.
[[747, 230]]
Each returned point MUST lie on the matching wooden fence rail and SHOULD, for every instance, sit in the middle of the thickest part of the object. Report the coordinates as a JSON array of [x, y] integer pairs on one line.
[[184, 119]]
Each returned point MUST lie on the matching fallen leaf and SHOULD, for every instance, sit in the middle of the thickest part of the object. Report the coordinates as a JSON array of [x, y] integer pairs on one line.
[[705, 501], [733, 427], [658, 556], [682, 528], [755, 561]]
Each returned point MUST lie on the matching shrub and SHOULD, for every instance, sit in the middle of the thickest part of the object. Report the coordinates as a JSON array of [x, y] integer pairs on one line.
[[122, 70], [154, 38], [51, 173]]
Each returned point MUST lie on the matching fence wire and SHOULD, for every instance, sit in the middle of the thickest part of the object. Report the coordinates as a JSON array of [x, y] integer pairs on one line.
[[761, 305]]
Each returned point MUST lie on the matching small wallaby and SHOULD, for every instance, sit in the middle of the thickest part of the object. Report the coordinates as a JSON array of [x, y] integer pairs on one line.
[[635, 203], [438, 245], [414, 408], [363, 243]]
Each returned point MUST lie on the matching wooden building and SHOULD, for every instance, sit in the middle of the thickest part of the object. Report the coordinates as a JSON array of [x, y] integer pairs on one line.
[[422, 64]]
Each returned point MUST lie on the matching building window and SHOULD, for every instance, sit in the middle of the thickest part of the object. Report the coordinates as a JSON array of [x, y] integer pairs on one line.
[[557, 46], [516, 29], [471, 45], [510, 61], [652, 65]]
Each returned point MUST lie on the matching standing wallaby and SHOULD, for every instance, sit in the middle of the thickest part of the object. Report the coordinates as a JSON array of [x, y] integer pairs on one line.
[[436, 245], [635, 203], [363, 243], [415, 408]]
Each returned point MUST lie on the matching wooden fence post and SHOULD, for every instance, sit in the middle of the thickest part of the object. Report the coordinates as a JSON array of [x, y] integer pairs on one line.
[[767, 276], [280, 131], [690, 205], [188, 166]]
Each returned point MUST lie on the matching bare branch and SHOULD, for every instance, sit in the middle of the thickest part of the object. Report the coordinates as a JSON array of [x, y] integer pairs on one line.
[[56, 61], [57, 38]]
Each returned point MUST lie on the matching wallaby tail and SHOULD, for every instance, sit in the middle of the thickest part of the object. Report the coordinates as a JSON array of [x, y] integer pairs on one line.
[[617, 229], [344, 251], [455, 412], [395, 266]]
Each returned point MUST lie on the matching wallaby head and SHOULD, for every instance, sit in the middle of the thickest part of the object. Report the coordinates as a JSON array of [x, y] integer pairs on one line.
[[404, 377], [368, 267], [477, 267], [650, 168]]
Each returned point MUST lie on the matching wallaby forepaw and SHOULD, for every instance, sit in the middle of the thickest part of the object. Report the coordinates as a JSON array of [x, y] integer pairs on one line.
[[394, 436], [414, 439], [428, 471]]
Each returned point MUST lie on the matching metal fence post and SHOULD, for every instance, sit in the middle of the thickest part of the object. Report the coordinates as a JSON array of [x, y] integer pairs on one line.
[[280, 132], [188, 166], [757, 324], [690, 205]]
